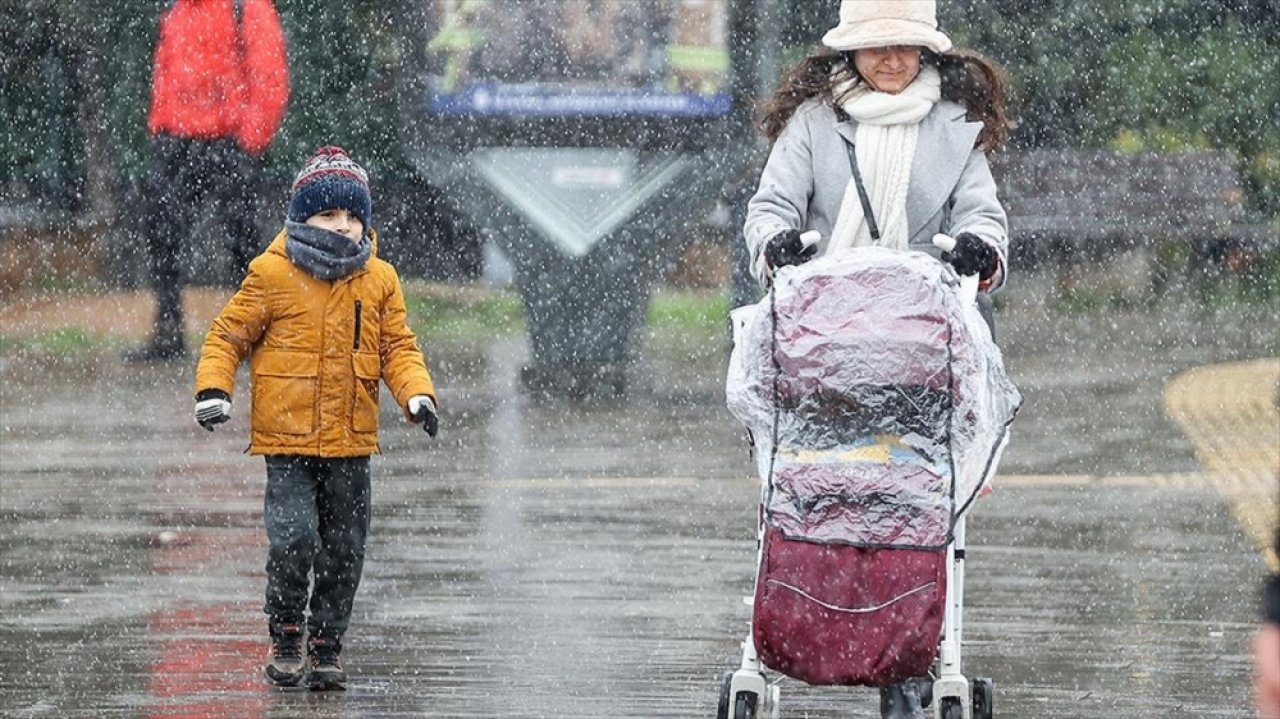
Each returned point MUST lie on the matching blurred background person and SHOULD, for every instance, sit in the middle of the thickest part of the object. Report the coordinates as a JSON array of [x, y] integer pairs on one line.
[[219, 87]]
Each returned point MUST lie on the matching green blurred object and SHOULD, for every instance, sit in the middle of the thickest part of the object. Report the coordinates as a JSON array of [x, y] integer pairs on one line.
[[68, 341], [475, 315]]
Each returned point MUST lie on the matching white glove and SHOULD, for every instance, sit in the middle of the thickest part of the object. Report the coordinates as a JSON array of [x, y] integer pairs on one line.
[[212, 411]]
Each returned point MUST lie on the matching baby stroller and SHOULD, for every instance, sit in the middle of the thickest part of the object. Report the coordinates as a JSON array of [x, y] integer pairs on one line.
[[878, 407]]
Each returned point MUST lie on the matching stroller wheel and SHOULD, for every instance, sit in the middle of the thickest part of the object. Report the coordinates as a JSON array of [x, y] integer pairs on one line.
[[951, 708], [745, 694], [983, 698], [722, 709]]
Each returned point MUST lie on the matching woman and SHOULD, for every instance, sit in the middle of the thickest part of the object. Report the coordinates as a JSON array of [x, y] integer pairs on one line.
[[919, 118]]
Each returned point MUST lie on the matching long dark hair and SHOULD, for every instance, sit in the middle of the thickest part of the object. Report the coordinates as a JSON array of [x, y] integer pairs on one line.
[[968, 78]]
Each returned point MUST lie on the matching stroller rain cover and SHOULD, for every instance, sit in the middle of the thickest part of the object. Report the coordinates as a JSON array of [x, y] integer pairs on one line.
[[876, 398]]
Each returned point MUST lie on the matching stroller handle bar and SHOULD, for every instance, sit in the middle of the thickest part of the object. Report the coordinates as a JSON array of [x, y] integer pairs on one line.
[[944, 242]]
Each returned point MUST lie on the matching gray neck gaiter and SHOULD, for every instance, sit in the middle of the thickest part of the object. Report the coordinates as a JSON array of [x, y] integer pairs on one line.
[[323, 254]]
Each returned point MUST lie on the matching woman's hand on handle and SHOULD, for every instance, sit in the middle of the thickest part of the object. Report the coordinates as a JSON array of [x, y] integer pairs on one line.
[[970, 255], [968, 281], [790, 247]]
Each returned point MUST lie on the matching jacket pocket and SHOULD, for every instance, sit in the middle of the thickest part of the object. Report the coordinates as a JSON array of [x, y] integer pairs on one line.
[[284, 392], [367, 367]]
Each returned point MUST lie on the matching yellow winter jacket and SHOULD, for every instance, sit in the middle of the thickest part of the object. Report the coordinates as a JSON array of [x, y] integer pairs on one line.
[[317, 351]]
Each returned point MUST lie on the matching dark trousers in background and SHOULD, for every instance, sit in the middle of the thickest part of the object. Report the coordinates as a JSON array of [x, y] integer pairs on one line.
[[194, 179], [317, 517]]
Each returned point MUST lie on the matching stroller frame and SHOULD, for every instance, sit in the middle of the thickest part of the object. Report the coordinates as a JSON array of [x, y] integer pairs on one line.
[[747, 694]]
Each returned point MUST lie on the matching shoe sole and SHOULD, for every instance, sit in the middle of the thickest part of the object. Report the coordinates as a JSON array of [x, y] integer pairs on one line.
[[327, 682], [285, 679]]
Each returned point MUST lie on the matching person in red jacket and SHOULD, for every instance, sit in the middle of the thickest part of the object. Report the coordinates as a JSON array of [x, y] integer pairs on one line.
[[220, 85]]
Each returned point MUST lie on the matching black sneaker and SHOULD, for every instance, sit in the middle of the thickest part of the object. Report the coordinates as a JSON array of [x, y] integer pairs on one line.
[[285, 663], [326, 670]]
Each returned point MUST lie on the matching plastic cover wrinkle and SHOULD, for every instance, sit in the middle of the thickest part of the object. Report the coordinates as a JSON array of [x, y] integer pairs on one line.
[[889, 398]]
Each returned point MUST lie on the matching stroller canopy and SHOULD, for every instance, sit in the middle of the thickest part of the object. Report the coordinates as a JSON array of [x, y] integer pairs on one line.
[[877, 401]]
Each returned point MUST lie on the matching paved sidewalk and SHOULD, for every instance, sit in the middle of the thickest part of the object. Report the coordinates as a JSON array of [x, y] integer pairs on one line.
[[587, 561]]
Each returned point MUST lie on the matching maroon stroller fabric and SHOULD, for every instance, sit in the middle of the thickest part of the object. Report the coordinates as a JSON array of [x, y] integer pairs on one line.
[[835, 614]]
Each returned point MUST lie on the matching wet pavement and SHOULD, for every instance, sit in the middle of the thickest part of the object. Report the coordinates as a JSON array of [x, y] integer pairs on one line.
[[553, 560]]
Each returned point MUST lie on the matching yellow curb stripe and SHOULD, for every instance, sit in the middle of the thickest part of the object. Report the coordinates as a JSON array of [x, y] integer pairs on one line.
[[1229, 414]]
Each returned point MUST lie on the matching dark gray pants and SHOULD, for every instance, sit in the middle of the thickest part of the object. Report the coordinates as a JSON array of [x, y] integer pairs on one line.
[[906, 699], [193, 178], [317, 517], [987, 309]]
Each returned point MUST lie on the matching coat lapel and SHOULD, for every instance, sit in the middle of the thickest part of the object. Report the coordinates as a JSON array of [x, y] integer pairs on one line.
[[942, 149], [848, 129]]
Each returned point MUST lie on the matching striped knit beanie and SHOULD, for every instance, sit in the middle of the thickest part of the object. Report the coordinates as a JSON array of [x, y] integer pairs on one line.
[[331, 180]]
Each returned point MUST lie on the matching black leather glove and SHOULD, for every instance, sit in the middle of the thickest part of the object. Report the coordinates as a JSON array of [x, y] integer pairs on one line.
[[973, 256], [424, 413], [213, 407], [786, 248]]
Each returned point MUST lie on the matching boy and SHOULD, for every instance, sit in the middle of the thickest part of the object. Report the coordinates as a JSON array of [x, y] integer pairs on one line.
[[322, 320]]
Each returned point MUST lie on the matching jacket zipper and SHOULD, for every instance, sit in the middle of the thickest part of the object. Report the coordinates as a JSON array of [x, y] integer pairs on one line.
[[355, 345]]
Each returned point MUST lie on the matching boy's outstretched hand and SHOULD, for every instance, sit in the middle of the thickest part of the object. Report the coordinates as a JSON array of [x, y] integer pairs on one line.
[[213, 406], [423, 411]]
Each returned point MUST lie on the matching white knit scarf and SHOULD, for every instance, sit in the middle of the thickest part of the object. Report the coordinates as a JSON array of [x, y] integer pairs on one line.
[[888, 126]]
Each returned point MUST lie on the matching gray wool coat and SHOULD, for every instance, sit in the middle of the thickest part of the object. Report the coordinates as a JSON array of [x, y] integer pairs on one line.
[[803, 183]]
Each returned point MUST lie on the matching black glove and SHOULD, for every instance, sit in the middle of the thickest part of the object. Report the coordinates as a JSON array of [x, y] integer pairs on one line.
[[973, 256], [425, 413], [213, 406], [786, 248]]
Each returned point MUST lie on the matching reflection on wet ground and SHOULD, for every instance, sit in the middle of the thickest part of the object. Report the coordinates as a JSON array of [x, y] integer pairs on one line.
[[550, 560]]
